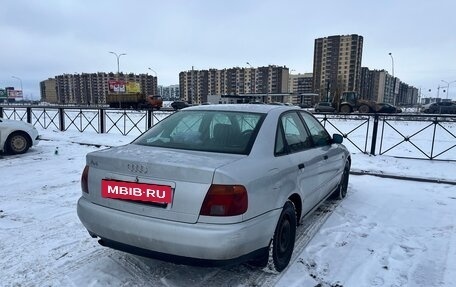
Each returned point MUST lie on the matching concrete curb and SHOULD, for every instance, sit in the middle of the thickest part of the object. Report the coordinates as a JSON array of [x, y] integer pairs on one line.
[[402, 177]]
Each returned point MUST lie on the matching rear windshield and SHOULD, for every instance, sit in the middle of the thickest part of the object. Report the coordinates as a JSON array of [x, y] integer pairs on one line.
[[213, 131]]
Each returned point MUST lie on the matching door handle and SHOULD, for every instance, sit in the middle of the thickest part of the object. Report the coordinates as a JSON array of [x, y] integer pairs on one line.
[[325, 157], [301, 166]]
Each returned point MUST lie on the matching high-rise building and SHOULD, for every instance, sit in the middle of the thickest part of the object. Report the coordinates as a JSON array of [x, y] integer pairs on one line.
[[300, 83], [408, 95], [300, 88], [92, 88], [380, 86], [337, 65], [196, 85], [48, 90]]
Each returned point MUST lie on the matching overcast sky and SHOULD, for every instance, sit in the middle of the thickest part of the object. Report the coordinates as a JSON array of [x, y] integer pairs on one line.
[[42, 39]]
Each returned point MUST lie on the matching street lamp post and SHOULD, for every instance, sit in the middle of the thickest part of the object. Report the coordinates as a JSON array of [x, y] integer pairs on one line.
[[394, 80], [448, 87], [118, 57], [154, 72], [118, 66], [22, 89]]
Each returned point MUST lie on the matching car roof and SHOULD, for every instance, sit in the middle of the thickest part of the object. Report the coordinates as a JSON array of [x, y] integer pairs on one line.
[[255, 108]]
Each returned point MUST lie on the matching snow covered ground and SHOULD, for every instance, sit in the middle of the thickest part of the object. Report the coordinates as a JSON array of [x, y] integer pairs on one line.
[[386, 232]]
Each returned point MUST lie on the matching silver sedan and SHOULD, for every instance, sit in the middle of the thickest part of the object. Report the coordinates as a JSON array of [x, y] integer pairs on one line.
[[214, 184]]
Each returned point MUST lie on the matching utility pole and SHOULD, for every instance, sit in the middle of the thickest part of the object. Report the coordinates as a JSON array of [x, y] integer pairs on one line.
[[394, 80]]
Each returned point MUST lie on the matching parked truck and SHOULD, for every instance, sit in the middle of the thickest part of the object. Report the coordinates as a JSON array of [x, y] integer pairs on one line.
[[134, 101]]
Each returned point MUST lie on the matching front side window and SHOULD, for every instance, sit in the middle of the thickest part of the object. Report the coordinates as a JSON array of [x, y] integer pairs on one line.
[[319, 135], [213, 131]]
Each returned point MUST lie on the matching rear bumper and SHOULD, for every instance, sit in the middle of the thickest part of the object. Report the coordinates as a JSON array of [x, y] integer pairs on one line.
[[169, 240]]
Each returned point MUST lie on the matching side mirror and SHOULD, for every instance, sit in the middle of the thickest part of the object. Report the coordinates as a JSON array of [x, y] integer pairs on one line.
[[338, 139]]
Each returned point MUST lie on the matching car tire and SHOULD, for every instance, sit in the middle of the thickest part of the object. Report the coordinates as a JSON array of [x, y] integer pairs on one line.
[[284, 237], [364, 109], [345, 109], [17, 143], [317, 110], [341, 191]]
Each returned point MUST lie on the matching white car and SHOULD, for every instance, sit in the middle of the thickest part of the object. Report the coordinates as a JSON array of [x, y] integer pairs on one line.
[[17, 137]]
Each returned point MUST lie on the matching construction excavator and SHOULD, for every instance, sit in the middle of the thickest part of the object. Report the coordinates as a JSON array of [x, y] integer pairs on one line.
[[349, 102]]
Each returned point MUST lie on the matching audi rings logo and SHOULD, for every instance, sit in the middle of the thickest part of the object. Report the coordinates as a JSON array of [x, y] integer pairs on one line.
[[137, 168]]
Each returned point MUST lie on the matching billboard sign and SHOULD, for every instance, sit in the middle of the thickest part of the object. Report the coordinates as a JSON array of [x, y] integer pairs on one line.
[[116, 86], [133, 87], [3, 94], [14, 94], [123, 87]]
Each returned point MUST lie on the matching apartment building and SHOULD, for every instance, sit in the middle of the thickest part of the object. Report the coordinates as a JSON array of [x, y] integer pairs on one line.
[[48, 91], [380, 86], [169, 93], [196, 85], [337, 64], [300, 83], [92, 88], [300, 89], [408, 95]]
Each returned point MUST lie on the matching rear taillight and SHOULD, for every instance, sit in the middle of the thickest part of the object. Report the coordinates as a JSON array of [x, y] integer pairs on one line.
[[84, 179], [225, 200]]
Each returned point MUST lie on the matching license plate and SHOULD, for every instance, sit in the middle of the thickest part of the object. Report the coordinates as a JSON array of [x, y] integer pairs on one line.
[[136, 191]]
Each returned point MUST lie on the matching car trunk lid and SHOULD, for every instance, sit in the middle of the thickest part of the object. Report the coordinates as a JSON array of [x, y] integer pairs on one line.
[[188, 174]]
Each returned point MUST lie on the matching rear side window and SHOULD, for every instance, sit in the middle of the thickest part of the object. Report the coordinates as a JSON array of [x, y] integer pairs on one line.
[[213, 131], [292, 136], [318, 133]]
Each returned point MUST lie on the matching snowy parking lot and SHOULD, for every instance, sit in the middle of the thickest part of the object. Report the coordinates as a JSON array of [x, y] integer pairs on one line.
[[387, 232]]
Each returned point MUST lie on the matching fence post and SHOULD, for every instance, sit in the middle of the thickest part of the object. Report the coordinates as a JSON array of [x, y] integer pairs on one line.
[[101, 121], [29, 115], [435, 122], [62, 119], [149, 119], [374, 135]]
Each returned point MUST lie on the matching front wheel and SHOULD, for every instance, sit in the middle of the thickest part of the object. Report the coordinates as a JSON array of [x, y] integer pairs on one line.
[[345, 109], [17, 143], [341, 191]]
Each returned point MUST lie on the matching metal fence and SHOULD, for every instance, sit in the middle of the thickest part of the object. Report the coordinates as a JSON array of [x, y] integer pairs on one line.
[[414, 136], [99, 120]]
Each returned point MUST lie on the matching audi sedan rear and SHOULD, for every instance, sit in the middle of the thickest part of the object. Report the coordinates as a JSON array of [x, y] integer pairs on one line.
[[213, 185]]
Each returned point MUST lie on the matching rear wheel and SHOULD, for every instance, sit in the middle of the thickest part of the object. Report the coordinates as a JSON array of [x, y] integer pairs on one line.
[[284, 237], [364, 109], [281, 247], [17, 143]]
